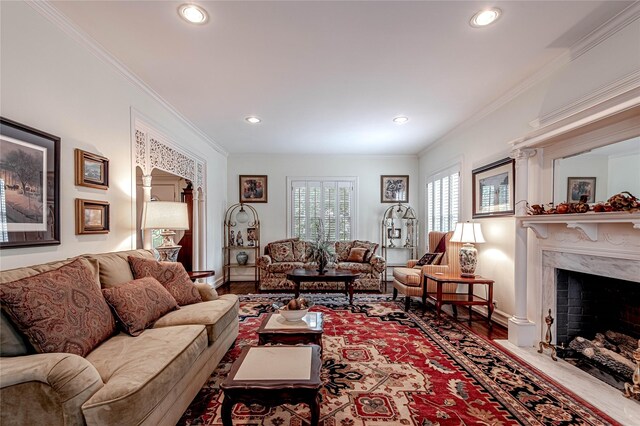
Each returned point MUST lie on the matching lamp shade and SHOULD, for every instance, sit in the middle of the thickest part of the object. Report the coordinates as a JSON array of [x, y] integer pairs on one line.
[[242, 216], [165, 215], [467, 232]]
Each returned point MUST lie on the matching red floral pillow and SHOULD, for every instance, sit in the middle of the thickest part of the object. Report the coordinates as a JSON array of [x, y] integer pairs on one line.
[[282, 252], [171, 275], [139, 303], [60, 310]]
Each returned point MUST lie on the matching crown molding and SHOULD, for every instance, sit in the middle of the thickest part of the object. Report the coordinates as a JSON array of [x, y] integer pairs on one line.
[[47, 10], [584, 45]]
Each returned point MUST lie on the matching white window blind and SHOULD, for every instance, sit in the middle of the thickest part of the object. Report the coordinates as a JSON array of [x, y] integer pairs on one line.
[[443, 200], [328, 199]]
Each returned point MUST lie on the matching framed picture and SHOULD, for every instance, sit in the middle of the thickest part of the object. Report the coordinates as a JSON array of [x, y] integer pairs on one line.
[[394, 189], [494, 189], [253, 189], [92, 217], [579, 187], [30, 184], [92, 170], [394, 233]]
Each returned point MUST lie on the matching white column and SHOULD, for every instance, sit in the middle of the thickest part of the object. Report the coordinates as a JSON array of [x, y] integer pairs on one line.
[[521, 330], [195, 232], [146, 197]]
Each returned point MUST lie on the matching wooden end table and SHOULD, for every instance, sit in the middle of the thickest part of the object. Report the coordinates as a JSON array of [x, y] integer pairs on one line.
[[274, 329], [194, 275], [293, 377], [456, 299], [332, 275]]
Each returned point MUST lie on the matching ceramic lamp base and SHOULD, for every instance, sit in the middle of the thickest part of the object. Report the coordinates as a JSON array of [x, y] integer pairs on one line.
[[468, 260]]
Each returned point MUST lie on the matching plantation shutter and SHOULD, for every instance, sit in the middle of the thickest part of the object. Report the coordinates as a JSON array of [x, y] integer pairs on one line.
[[328, 200], [443, 200]]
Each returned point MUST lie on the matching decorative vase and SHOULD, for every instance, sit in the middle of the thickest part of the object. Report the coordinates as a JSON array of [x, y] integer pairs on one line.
[[242, 258], [468, 260], [322, 265]]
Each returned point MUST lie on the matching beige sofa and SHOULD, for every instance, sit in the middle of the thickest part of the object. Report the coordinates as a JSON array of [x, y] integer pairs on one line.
[[145, 380], [273, 270]]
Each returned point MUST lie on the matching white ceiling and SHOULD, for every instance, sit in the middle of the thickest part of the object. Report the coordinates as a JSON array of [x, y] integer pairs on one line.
[[328, 77]]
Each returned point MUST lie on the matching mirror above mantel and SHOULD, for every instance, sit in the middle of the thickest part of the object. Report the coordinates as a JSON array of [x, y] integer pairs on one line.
[[599, 173]]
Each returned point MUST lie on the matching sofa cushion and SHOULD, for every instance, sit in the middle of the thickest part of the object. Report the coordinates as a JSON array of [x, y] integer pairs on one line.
[[407, 276], [215, 315], [358, 254], [171, 275], [283, 267], [342, 250], [61, 310], [300, 251], [139, 303], [282, 252], [139, 372], [114, 267], [355, 266], [368, 245], [429, 259]]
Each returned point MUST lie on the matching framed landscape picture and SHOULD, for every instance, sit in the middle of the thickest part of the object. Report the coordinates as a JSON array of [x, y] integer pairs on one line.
[[30, 185], [253, 189], [494, 189], [581, 187], [394, 189], [92, 170], [92, 217]]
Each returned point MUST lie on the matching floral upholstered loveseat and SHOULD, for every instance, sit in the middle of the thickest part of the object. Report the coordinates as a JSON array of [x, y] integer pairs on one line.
[[284, 255]]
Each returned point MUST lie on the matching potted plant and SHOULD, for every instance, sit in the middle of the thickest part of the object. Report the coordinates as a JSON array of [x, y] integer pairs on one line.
[[321, 248]]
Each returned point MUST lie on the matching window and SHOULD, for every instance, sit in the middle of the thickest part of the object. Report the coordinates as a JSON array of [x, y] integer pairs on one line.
[[443, 199], [331, 200]]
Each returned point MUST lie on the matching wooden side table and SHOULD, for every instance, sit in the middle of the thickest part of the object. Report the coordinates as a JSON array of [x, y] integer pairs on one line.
[[194, 275], [293, 377], [456, 299], [332, 275]]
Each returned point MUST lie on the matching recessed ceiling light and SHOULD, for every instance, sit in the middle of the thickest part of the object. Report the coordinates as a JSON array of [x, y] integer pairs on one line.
[[193, 13], [252, 119], [485, 17], [401, 119]]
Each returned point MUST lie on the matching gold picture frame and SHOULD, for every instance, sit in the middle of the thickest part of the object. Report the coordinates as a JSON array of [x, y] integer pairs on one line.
[[91, 170], [92, 217]]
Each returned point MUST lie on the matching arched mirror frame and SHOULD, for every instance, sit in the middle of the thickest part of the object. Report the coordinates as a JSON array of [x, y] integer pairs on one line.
[[154, 150]]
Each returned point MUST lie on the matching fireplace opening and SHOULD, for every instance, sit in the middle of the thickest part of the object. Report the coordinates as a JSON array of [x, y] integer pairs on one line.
[[598, 324]]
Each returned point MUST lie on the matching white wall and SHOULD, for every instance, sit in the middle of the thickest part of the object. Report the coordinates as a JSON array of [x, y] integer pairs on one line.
[[485, 139], [52, 83], [368, 169], [624, 175]]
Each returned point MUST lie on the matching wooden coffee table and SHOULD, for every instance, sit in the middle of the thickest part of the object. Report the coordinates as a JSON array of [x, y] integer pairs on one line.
[[292, 377], [332, 275], [274, 329]]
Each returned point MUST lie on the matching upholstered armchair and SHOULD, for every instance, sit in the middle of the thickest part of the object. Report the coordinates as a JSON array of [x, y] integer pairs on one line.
[[409, 280]]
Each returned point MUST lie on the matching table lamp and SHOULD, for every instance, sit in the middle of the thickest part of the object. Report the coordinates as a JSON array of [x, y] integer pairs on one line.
[[167, 216], [468, 233]]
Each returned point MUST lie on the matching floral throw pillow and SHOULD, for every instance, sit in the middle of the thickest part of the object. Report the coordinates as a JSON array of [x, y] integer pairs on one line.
[[171, 275], [139, 303], [430, 259], [342, 250], [60, 310], [282, 252]]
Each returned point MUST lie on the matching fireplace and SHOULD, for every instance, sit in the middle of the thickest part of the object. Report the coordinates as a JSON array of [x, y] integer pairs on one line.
[[598, 324]]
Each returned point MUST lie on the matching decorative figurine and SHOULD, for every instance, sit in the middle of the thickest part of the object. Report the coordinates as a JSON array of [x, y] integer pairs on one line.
[[239, 240], [232, 240]]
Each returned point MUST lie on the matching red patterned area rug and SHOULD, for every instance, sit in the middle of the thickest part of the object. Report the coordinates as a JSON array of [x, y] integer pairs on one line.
[[383, 366]]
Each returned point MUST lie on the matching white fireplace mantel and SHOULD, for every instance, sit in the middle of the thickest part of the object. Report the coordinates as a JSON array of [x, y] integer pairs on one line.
[[585, 223]]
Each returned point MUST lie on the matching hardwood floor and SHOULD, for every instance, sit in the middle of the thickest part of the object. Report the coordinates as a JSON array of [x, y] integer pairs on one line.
[[478, 322]]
